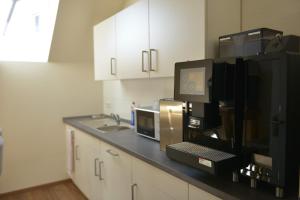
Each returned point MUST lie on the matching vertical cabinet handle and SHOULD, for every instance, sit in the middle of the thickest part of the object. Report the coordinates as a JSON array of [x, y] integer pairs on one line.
[[113, 72], [76, 152], [72, 132], [143, 60], [132, 190], [112, 153], [152, 68], [100, 171], [95, 166]]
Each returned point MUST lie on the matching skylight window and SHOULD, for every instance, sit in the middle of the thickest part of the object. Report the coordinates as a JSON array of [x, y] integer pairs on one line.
[[26, 29]]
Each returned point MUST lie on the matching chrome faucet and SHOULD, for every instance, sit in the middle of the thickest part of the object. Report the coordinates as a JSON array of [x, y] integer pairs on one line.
[[116, 117]]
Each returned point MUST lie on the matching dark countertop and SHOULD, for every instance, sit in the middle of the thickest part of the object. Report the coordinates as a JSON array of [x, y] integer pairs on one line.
[[149, 151]]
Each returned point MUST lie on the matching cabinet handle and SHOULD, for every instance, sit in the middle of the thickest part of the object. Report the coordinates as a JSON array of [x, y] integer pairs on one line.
[[100, 171], [132, 190], [112, 153], [143, 60], [151, 63], [76, 152], [95, 166], [111, 67]]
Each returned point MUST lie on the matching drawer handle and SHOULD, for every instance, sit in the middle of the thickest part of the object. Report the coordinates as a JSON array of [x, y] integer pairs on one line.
[[112, 153], [132, 190], [76, 152], [100, 171], [95, 166]]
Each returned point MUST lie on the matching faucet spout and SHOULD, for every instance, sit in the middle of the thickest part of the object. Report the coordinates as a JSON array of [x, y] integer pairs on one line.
[[116, 117]]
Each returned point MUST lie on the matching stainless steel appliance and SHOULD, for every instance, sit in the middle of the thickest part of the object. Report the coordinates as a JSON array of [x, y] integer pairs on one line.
[[147, 122], [171, 122]]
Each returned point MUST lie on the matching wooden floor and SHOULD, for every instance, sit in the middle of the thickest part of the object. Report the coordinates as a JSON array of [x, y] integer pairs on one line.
[[65, 190]]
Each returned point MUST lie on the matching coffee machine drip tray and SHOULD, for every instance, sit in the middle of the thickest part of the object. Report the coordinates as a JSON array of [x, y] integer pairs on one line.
[[207, 159]]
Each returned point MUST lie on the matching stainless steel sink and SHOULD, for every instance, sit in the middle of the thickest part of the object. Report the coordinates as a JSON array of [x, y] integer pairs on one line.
[[115, 128], [105, 124]]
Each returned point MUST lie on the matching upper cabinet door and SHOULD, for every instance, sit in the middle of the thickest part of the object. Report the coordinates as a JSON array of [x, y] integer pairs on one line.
[[105, 50], [177, 33], [132, 26]]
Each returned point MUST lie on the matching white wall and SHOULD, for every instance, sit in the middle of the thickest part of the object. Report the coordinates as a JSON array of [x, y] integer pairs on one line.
[[118, 95], [129, 2], [34, 97], [33, 100], [277, 14]]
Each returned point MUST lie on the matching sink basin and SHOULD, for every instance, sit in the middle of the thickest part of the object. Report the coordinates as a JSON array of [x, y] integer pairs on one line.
[[104, 124], [101, 122], [116, 128]]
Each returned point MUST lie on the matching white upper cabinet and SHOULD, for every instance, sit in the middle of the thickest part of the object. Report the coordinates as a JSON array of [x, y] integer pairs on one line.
[[152, 35], [105, 58], [132, 28], [177, 33]]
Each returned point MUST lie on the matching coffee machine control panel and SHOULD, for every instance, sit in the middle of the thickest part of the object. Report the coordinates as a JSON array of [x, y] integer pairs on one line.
[[195, 123], [258, 172]]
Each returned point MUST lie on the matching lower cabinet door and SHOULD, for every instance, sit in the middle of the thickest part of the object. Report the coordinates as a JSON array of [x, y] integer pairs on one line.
[[198, 194], [154, 184], [88, 159], [116, 171], [80, 172], [93, 168]]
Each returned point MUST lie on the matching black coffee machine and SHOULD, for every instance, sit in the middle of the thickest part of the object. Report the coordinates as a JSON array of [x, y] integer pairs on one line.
[[271, 65], [242, 114], [271, 119], [212, 133]]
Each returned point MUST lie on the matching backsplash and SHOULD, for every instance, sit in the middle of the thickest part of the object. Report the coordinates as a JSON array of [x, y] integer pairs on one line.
[[118, 95]]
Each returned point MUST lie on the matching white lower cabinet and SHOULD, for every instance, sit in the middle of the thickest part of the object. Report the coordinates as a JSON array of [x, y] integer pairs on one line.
[[152, 183], [103, 172], [88, 159], [79, 176], [198, 194], [116, 173], [94, 174]]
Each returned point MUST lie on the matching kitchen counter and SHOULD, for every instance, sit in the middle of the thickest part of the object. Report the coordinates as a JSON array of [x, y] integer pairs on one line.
[[149, 151]]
